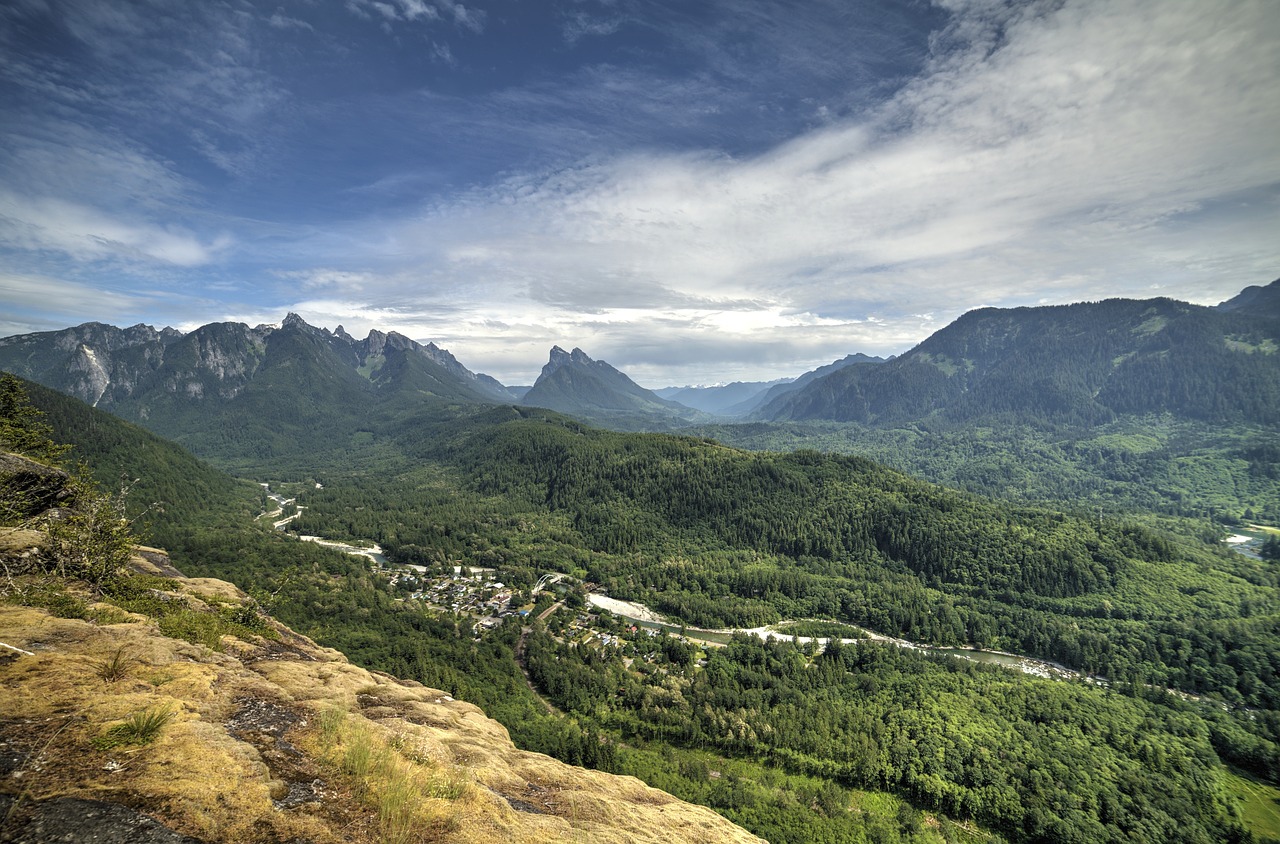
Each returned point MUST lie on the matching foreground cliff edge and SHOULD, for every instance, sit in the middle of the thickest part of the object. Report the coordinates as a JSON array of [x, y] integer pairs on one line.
[[143, 720]]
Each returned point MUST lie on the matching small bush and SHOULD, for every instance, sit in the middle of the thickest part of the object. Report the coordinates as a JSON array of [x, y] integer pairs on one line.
[[51, 596], [195, 627]]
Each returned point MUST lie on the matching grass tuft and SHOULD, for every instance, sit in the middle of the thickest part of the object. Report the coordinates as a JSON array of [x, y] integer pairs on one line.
[[139, 728], [115, 667]]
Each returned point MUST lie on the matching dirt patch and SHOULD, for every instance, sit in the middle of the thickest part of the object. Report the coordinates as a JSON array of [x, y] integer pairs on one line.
[[257, 718], [534, 800], [282, 649]]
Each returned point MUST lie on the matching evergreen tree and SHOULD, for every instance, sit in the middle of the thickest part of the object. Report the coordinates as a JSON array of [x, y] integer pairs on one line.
[[22, 426]]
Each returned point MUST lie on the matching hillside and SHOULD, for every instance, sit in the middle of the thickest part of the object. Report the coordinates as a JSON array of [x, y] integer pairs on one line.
[[1256, 300], [266, 736], [1081, 364], [747, 408]]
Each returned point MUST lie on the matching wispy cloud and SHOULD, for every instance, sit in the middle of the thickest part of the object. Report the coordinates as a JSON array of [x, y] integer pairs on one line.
[[419, 11], [674, 187], [88, 234], [38, 303], [1046, 154], [579, 25]]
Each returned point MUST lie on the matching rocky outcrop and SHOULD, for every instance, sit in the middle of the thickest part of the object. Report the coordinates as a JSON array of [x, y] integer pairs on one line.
[[28, 488], [273, 738]]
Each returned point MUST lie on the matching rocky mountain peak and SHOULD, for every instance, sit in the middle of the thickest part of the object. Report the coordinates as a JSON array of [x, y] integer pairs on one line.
[[292, 320], [558, 358]]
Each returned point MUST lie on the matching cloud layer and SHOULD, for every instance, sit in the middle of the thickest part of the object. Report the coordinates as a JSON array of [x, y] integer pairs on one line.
[[976, 153]]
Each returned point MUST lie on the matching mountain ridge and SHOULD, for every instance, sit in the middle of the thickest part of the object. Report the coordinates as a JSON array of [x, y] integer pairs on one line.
[[1083, 363]]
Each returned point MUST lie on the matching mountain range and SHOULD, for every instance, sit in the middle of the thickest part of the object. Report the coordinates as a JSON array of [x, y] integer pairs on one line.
[[1085, 363]]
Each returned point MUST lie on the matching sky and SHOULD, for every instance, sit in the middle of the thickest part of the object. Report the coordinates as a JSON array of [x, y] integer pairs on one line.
[[697, 191]]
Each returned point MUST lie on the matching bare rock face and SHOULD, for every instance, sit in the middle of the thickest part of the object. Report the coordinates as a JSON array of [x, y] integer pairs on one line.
[[75, 819], [90, 376]]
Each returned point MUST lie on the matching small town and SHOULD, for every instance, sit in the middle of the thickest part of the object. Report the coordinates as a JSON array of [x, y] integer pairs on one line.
[[476, 593]]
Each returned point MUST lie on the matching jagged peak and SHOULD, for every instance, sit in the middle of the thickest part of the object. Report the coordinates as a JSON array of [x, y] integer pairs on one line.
[[558, 358], [396, 340], [292, 320]]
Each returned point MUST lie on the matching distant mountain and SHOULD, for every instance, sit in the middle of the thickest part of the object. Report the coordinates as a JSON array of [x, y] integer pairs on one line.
[[719, 399], [228, 390], [574, 384], [1079, 364], [761, 400], [1256, 300]]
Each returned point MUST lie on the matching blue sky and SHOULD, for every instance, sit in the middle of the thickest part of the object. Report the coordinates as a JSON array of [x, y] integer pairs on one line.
[[697, 192]]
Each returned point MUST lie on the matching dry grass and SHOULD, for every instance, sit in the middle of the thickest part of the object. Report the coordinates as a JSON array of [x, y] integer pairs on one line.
[[412, 796]]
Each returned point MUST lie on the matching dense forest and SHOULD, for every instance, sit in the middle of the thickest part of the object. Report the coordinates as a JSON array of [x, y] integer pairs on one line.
[[1150, 466], [722, 538], [910, 747], [1036, 761]]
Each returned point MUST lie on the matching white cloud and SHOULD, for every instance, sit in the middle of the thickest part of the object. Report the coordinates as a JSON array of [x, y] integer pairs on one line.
[[419, 10], [86, 233], [36, 302], [579, 25], [1050, 154], [280, 20]]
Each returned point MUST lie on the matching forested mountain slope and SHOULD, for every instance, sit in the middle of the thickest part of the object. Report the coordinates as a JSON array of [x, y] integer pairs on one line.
[[1079, 364]]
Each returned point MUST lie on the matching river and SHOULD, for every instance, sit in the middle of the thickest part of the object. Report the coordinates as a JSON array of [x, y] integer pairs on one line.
[[643, 616]]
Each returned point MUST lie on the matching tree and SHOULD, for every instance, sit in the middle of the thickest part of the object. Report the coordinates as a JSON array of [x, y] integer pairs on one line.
[[22, 426], [90, 539]]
